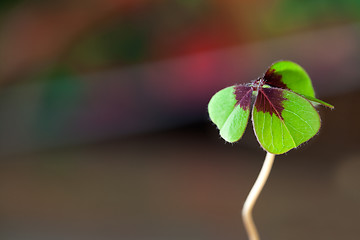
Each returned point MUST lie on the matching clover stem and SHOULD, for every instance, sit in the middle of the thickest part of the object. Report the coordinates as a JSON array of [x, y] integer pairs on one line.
[[253, 196]]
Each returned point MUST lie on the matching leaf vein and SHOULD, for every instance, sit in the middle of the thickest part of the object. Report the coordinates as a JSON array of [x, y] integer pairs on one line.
[[300, 118]]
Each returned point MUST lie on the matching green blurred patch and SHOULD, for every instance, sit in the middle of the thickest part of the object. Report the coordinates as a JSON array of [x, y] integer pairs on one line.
[[61, 97], [124, 43], [6, 5], [295, 14]]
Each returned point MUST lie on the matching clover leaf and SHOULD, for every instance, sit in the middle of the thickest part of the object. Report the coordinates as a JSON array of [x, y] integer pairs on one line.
[[283, 113]]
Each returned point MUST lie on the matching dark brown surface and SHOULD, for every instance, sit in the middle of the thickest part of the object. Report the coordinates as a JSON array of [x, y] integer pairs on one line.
[[270, 100]]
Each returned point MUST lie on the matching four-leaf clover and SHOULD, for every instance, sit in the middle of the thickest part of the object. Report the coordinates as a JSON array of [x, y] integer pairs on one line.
[[283, 113]]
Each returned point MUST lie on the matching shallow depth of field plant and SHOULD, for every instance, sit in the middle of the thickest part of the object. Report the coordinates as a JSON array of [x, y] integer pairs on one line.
[[283, 117]]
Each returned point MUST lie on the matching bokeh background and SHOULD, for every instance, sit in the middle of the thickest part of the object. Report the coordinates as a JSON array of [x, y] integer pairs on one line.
[[104, 132]]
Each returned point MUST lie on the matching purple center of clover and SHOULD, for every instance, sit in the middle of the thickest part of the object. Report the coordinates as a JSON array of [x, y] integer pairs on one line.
[[269, 99]]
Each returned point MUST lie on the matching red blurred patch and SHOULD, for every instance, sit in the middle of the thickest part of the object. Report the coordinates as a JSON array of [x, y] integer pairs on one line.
[[199, 37]]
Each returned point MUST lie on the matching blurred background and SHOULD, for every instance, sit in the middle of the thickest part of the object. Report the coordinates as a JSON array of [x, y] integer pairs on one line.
[[104, 132]]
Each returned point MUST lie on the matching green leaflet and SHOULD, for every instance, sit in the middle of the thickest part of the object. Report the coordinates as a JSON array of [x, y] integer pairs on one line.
[[300, 122], [289, 75], [292, 75], [230, 118]]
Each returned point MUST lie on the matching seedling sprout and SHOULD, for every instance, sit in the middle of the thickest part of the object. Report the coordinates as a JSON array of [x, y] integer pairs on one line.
[[283, 117]]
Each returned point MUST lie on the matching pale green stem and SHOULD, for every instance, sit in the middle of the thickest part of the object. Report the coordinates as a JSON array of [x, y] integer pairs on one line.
[[253, 196]]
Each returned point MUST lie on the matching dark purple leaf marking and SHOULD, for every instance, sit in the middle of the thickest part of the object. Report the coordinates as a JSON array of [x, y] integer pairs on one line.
[[270, 100], [243, 96], [274, 79]]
